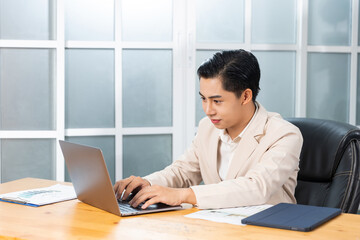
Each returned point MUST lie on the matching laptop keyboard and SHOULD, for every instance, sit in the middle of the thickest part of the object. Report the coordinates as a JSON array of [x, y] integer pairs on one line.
[[126, 208]]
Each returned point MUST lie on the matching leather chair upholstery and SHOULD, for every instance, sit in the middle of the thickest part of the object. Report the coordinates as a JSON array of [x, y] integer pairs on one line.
[[329, 164]]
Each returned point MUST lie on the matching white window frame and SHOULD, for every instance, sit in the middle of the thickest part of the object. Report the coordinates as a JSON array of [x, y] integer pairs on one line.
[[183, 48]]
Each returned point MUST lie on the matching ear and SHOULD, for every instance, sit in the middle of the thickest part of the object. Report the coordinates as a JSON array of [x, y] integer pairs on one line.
[[246, 96]]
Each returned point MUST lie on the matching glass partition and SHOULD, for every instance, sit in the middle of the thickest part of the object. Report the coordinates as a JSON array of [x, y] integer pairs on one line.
[[329, 22], [27, 20], [147, 88], [155, 154], [272, 24], [144, 20], [220, 20], [21, 158], [89, 20], [27, 84], [328, 86], [90, 88], [277, 82]]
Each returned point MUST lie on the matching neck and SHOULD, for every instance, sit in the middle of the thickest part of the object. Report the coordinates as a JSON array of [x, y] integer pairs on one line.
[[248, 114]]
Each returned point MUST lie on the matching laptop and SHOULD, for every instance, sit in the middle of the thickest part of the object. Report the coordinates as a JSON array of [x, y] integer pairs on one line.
[[292, 217], [91, 180]]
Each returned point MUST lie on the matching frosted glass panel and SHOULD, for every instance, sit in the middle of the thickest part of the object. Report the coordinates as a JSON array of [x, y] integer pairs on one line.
[[328, 86], [358, 93], [201, 56], [90, 91], [155, 154], [277, 81], [329, 22], [22, 158], [29, 20], [359, 26], [90, 20], [144, 20], [220, 20], [147, 88], [27, 89], [107, 146], [274, 21]]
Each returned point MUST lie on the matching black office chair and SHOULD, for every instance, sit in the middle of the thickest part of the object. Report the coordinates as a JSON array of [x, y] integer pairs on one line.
[[329, 164]]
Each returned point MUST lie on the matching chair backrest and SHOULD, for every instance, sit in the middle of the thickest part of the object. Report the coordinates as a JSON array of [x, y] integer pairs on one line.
[[329, 164]]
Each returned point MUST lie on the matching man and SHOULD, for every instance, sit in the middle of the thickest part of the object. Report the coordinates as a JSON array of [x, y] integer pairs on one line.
[[243, 154]]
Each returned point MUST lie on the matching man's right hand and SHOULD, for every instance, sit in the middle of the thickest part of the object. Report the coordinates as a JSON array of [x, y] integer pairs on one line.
[[130, 184]]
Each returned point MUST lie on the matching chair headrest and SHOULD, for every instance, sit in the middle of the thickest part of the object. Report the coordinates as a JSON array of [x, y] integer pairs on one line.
[[324, 144]]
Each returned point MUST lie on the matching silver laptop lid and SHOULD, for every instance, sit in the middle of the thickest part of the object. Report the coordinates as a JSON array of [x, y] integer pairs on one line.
[[89, 175]]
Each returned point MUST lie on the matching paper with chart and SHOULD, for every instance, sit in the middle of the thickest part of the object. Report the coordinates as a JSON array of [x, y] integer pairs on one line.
[[228, 215], [41, 196]]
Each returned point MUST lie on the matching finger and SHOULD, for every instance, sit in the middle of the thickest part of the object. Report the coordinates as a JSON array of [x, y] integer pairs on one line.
[[150, 202], [136, 200], [121, 185], [142, 196], [135, 183], [116, 185]]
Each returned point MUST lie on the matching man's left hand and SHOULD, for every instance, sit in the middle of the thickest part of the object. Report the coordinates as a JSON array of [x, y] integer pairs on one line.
[[170, 196]]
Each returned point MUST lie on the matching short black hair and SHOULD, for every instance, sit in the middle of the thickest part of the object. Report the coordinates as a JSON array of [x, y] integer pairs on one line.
[[237, 69]]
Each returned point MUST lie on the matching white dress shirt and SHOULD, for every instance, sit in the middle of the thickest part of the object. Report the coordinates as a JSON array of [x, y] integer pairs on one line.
[[227, 146]]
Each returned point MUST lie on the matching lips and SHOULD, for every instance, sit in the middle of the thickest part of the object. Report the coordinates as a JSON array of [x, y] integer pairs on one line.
[[215, 121]]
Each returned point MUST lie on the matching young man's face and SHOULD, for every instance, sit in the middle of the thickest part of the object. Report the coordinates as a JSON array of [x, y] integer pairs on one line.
[[224, 109]]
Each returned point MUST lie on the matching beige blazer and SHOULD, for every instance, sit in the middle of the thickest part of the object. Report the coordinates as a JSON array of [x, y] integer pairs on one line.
[[263, 170]]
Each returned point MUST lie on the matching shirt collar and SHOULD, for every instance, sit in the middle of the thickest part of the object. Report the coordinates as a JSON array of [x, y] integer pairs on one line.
[[224, 136]]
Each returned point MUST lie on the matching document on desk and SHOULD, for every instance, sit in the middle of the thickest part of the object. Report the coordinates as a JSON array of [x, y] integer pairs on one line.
[[228, 215], [40, 196]]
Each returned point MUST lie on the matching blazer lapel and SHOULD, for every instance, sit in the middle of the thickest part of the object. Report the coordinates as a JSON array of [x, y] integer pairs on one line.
[[248, 143], [213, 148]]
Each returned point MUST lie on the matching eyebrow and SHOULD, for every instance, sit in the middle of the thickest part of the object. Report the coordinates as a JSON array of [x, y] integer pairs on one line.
[[215, 96]]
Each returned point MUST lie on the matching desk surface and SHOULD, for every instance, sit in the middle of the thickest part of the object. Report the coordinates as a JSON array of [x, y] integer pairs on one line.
[[76, 220]]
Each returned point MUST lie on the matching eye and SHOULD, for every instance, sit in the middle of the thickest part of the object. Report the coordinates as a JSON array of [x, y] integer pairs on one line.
[[203, 99], [218, 101]]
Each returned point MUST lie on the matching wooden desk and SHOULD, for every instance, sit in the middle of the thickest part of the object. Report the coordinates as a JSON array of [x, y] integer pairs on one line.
[[76, 220]]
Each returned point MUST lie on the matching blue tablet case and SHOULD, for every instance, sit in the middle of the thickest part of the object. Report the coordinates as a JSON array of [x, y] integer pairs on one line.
[[292, 217]]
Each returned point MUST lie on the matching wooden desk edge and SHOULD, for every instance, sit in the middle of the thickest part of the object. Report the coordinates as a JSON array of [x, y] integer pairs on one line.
[[345, 225]]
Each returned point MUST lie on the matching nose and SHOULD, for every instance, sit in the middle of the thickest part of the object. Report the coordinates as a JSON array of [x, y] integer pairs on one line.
[[208, 108]]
